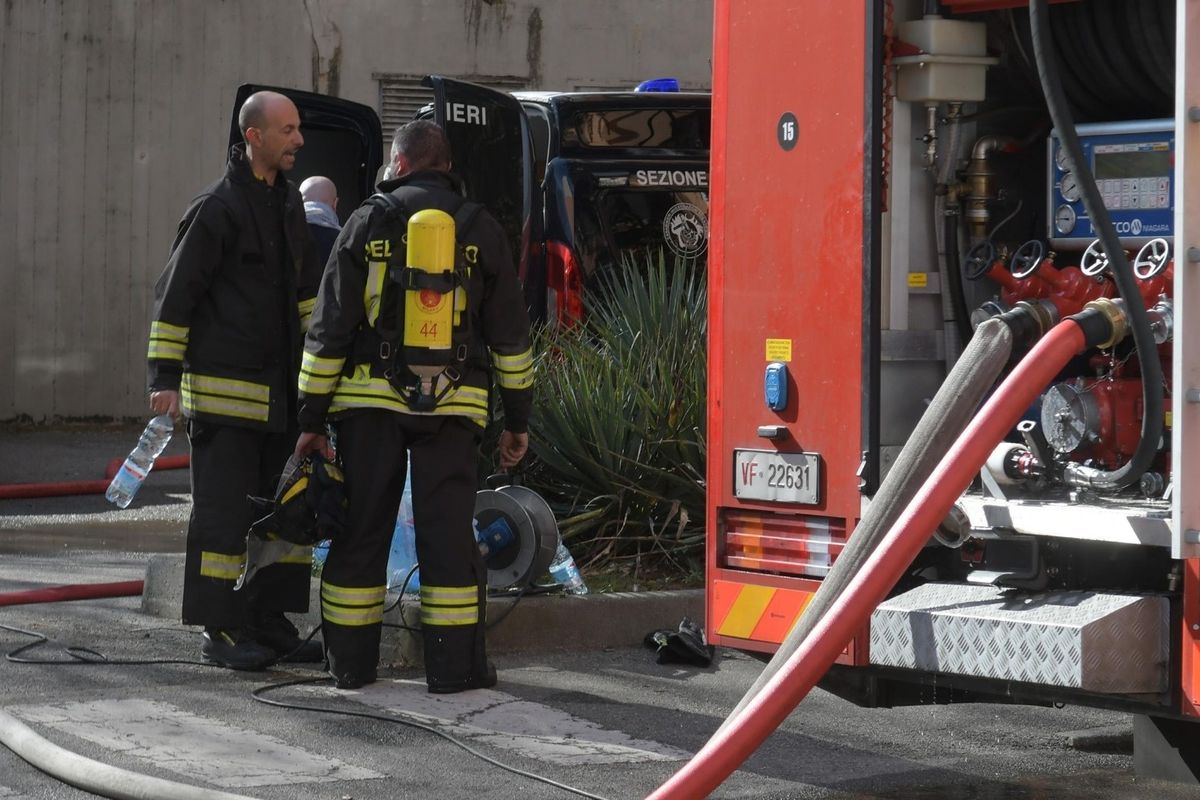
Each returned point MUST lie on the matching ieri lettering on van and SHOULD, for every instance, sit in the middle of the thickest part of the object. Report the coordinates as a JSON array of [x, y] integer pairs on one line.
[[695, 178], [465, 112]]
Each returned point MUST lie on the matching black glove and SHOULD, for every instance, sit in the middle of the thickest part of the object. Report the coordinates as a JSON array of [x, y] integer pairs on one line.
[[684, 646]]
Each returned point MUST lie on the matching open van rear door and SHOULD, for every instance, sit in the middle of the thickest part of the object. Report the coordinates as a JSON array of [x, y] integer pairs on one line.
[[342, 141], [492, 152]]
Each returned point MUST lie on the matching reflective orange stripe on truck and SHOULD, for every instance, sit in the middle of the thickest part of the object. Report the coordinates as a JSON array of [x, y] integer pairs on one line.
[[760, 613]]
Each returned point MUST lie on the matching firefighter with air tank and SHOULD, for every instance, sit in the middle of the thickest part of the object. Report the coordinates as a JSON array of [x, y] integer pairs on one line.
[[419, 310]]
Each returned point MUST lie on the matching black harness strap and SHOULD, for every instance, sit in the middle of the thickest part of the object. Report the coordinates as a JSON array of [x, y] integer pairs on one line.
[[404, 278]]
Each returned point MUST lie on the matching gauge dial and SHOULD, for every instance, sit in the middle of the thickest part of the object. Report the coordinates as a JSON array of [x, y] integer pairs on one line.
[[1062, 160], [1069, 187], [1064, 219]]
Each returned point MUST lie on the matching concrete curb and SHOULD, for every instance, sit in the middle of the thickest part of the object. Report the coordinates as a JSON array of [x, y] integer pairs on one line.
[[537, 623]]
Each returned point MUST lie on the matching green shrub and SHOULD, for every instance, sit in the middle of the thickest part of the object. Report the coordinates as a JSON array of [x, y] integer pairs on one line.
[[617, 433]]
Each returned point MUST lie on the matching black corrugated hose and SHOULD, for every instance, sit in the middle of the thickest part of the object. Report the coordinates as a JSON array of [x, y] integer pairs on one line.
[[1122, 272]]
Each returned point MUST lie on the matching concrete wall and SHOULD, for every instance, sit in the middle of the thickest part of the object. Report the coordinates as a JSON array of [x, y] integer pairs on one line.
[[114, 113]]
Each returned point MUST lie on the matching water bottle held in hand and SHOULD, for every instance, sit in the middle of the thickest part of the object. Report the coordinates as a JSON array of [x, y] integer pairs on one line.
[[564, 571], [137, 466]]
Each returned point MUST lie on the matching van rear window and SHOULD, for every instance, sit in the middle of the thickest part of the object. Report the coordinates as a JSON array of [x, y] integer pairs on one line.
[[665, 128], [635, 220]]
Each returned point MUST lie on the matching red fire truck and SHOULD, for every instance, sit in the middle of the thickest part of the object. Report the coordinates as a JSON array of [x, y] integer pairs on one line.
[[888, 179]]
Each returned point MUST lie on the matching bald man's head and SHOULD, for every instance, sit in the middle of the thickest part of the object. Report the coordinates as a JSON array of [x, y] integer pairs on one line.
[[319, 189], [254, 112], [270, 126]]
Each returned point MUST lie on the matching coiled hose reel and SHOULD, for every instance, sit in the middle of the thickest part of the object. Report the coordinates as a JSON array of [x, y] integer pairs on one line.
[[519, 530]]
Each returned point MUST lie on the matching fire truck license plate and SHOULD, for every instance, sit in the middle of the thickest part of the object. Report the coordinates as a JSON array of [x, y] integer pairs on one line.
[[777, 477]]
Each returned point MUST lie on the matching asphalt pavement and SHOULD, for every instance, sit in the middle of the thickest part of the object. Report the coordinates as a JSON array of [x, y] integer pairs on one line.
[[601, 717]]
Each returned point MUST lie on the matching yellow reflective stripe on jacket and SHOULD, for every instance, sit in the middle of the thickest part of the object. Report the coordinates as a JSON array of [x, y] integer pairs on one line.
[[221, 565], [165, 330], [208, 394], [167, 341], [352, 606], [361, 390], [319, 375], [449, 605], [373, 291], [166, 351], [514, 372], [305, 309]]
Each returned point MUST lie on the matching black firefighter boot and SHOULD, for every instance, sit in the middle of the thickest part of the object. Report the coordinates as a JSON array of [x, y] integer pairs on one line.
[[455, 660], [274, 630], [234, 648]]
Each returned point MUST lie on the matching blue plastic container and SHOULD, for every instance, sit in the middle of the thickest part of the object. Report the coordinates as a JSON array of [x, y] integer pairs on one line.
[[403, 555]]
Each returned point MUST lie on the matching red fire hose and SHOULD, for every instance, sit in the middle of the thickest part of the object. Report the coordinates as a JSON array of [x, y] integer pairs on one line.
[[14, 491], [734, 743], [75, 591]]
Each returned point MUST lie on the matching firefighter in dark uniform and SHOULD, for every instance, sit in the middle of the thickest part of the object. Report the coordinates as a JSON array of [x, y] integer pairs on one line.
[[225, 340], [346, 377]]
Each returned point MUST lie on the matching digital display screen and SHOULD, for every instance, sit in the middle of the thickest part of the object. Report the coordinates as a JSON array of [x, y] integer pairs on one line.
[[1133, 164]]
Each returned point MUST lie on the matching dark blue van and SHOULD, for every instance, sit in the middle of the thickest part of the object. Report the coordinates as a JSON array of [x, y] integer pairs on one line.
[[580, 179]]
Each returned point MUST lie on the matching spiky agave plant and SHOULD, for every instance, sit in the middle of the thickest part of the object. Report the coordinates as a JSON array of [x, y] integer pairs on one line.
[[619, 411]]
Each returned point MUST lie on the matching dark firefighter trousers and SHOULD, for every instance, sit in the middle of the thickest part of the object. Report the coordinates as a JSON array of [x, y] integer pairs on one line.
[[228, 465], [373, 445]]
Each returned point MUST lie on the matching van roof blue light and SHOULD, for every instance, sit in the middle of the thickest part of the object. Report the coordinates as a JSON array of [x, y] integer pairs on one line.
[[658, 85]]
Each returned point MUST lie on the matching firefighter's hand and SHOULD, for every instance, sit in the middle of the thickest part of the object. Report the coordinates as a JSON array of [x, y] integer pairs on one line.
[[313, 442], [512, 448], [165, 401]]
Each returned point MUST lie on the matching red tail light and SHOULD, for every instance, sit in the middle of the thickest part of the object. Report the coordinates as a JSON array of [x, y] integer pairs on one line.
[[564, 283]]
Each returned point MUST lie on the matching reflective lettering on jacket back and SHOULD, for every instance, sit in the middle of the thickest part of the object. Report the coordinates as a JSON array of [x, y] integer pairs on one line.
[[379, 248]]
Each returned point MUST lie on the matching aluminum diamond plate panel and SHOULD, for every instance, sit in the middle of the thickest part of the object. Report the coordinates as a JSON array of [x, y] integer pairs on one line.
[[1113, 643]]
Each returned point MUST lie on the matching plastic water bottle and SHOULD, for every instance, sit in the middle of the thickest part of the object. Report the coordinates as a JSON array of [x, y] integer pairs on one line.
[[137, 466], [564, 571], [403, 556]]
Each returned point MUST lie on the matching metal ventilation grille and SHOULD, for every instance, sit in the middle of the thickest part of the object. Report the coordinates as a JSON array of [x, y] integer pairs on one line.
[[402, 96]]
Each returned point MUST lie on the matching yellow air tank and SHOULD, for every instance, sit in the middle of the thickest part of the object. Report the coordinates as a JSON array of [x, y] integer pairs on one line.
[[428, 313]]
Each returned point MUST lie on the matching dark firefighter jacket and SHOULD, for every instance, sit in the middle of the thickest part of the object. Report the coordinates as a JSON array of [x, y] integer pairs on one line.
[[231, 306], [342, 370]]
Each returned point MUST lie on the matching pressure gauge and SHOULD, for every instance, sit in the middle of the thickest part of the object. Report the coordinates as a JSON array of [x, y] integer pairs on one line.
[[1069, 187], [1062, 160], [1064, 219]]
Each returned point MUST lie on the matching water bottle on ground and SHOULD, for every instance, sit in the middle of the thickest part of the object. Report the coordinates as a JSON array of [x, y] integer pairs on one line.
[[564, 571], [139, 463], [403, 555]]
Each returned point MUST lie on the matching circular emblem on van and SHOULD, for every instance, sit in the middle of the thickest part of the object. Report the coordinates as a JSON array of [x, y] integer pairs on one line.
[[685, 230], [1136, 227]]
